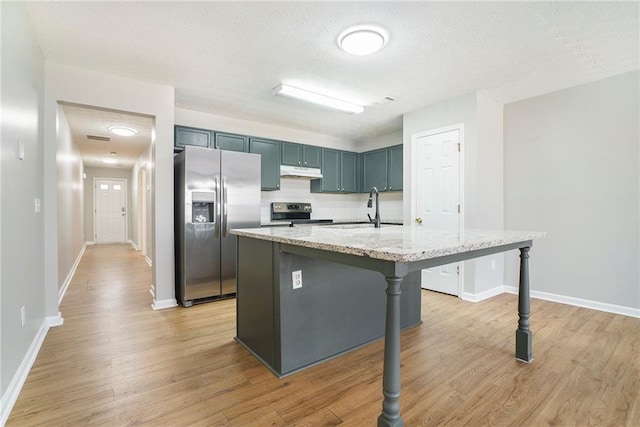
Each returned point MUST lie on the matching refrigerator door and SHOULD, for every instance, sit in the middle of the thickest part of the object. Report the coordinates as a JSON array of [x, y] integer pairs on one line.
[[240, 192], [201, 272]]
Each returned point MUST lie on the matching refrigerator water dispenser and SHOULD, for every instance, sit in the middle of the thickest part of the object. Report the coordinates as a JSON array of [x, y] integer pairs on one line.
[[202, 207]]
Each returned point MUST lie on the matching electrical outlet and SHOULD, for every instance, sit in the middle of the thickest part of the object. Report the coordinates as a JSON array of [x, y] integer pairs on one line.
[[296, 277], [23, 316], [493, 264]]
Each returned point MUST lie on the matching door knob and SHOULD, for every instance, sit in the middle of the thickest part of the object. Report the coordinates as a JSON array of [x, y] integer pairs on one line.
[[419, 220]]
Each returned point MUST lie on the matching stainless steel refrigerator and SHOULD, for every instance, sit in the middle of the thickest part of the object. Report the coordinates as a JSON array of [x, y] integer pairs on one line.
[[215, 191]]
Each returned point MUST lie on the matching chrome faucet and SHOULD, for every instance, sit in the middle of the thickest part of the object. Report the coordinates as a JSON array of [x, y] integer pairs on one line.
[[376, 220]]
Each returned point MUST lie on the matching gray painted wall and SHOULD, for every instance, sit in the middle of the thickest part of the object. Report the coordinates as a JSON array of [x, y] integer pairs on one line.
[[22, 272], [571, 169], [93, 173], [70, 200], [483, 199]]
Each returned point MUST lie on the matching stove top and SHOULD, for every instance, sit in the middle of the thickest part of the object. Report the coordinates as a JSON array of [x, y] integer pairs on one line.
[[297, 212]]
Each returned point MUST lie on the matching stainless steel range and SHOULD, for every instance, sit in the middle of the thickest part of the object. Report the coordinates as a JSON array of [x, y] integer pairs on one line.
[[295, 212]]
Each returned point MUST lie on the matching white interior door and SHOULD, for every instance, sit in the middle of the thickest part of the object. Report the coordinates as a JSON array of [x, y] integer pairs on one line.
[[111, 210], [436, 194]]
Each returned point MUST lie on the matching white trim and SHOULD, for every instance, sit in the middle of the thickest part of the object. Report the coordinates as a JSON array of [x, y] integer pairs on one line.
[[148, 260], [461, 185], [579, 302], [67, 281], [489, 293], [165, 303], [53, 321], [17, 382], [89, 243], [132, 243]]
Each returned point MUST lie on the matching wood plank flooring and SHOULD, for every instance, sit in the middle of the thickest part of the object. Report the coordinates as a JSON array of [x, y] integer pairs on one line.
[[116, 362]]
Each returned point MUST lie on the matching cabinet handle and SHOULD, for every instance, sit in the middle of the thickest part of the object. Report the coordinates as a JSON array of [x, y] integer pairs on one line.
[[390, 188], [305, 163], [298, 162]]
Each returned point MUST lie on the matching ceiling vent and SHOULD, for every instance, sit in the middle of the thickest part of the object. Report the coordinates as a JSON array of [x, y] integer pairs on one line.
[[382, 101], [99, 138]]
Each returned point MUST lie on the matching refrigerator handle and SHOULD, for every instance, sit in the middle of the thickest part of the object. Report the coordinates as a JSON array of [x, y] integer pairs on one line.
[[224, 208], [217, 199]]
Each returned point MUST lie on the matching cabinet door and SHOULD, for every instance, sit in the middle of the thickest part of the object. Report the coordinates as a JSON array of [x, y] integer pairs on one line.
[[231, 142], [349, 180], [291, 154], [269, 151], [311, 156], [330, 181], [375, 169], [395, 168], [191, 136]]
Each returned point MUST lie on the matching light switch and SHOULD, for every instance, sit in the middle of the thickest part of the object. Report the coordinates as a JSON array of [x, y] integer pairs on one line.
[[37, 205], [21, 150]]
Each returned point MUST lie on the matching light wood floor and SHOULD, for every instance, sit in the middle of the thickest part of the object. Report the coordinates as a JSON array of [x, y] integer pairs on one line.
[[116, 362]]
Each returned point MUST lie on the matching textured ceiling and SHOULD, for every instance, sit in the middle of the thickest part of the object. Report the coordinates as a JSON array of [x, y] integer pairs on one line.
[[226, 57], [92, 121]]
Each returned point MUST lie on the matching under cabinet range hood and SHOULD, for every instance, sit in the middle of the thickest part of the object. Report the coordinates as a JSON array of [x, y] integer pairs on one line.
[[300, 172]]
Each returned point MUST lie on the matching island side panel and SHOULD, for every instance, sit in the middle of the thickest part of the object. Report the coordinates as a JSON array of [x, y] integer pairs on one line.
[[255, 318], [338, 308]]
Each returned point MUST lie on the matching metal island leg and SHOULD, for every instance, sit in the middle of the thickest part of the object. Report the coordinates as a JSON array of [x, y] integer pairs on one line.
[[390, 415], [524, 350]]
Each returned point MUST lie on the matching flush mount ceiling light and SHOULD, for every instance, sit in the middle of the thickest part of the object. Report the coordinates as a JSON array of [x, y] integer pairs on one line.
[[110, 161], [318, 99], [123, 131], [363, 39]]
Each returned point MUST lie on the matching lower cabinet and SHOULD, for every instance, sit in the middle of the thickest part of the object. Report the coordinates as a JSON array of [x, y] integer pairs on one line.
[[339, 172], [269, 151]]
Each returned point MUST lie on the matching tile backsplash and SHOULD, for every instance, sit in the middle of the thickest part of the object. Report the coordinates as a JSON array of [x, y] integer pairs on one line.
[[330, 206]]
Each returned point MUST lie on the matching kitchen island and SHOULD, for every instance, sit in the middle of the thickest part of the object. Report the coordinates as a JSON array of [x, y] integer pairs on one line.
[[340, 254]]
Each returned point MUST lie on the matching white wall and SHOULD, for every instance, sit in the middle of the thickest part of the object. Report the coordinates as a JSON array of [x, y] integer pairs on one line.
[[21, 181], [135, 209], [482, 150], [90, 88], [325, 206], [89, 192], [572, 170], [394, 138], [70, 200]]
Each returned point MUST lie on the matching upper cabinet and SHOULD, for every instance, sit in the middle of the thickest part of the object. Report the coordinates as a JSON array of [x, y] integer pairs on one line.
[[300, 155], [269, 151], [231, 142], [382, 169], [192, 136], [339, 172]]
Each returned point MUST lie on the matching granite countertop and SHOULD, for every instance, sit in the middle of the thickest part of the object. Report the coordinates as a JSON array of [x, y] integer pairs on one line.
[[391, 242]]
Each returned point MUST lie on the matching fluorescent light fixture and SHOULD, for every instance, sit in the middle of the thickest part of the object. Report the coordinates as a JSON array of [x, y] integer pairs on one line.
[[109, 160], [123, 131], [316, 98], [363, 39]]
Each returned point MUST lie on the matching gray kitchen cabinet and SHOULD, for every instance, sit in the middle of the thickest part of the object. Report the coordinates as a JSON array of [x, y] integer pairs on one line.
[[339, 172], [382, 169], [269, 151], [231, 142], [395, 168], [375, 169], [184, 135], [294, 154]]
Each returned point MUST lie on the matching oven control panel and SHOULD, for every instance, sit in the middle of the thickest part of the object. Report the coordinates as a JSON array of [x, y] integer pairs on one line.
[[281, 207]]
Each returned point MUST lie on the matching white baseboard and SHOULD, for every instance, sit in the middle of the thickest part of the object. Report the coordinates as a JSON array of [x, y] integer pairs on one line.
[[489, 293], [579, 302], [89, 243], [132, 243], [165, 303], [53, 321], [146, 258], [67, 281], [15, 386]]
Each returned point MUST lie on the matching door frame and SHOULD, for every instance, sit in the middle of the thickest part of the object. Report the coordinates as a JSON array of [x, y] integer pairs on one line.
[[414, 166], [142, 209], [126, 207]]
